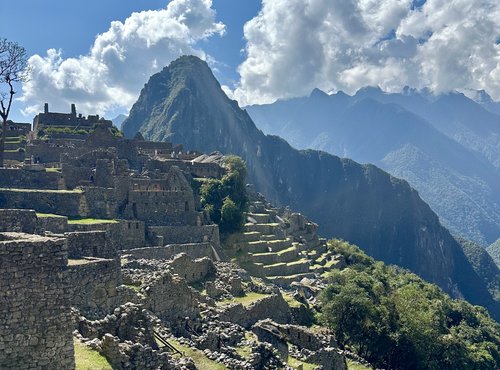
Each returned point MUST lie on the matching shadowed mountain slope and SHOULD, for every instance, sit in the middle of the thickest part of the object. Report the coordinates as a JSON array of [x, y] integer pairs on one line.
[[448, 157]]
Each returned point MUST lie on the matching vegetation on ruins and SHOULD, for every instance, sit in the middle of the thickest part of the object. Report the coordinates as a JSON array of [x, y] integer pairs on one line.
[[13, 69], [396, 320], [66, 130], [226, 200]]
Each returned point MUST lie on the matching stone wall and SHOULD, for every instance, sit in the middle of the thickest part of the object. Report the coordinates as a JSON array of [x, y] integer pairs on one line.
[[19, 178], [94, 284], [170, 298], [18, 220], [35, 327], [76, 176], [101, 202], [123, 234], [186, 234], [42, 152], [89, 244], [193, 270], [273, 307], [163, 207], [196, 169], [17, 155], [69, 203], [197, 250], [54, 224]]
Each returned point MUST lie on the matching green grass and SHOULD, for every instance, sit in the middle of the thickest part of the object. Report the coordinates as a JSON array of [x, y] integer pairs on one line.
[[75, 191], [244, 351], [53, 169], [41, 215], [90, 221], [88, 359], [302, 260], [293, 362], [137, 288], [292, 302], [245, 300], [275, 265], [351, 365], [199, 358]]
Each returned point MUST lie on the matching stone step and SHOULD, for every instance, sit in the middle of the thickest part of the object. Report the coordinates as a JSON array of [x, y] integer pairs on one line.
[[264, 246], [291, 268], [285, 281], [278, 245], [266, 228], [250, 236], [260, 218], [287, 255]]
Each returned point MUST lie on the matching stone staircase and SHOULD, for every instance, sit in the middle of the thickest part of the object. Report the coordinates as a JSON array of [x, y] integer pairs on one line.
[[281, 246]]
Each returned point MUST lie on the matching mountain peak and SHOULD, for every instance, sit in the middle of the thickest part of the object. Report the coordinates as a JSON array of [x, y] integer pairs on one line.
[[318, 94]]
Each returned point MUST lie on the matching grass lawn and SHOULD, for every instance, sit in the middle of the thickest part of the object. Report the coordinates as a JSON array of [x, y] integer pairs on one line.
[[293, 362], [90, 221], [88, 359], [201, 361], [75, 191], [292, 302], [244, 351], [41, 215], [351, 365], [246, 300]]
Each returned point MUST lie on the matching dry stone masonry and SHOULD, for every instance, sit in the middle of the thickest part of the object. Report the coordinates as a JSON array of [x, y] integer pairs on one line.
[[35, 303]]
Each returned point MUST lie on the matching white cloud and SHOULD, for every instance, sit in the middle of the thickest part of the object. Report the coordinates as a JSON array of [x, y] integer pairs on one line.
[[294, 46], [121, 59]]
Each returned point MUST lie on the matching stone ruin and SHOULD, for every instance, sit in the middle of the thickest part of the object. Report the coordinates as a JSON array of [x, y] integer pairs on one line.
[[103, 240]]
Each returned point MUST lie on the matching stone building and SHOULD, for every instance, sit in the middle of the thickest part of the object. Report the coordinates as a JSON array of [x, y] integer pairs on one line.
[[53, 119]]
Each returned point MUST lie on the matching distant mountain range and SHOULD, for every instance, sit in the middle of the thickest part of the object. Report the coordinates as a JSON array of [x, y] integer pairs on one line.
[[118, 120], [447, 146], [185, 104]]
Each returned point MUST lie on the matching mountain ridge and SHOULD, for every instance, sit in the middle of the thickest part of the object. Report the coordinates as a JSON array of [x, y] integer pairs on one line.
[[374, 127], [185, 104]]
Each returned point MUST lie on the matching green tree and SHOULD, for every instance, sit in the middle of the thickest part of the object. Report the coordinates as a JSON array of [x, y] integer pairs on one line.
[[226, 200], [231, 217]]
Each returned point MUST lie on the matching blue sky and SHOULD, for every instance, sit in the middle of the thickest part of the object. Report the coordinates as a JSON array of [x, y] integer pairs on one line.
[[72, 27], [286, 49]]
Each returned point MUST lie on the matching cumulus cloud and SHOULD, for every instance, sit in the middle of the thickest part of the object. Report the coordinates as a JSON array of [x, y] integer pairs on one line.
[[121, 59], [294, 46]]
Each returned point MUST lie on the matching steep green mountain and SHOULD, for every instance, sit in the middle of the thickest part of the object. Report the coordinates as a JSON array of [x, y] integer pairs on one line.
[[185, 104], [460, 184], [494, 251], [483, 264]]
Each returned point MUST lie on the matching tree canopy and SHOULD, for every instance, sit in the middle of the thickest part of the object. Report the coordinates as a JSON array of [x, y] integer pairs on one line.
[[226, 199], [396, 320]]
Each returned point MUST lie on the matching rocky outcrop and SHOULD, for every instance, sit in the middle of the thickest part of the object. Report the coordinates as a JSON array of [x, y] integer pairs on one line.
[[185, 104]]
